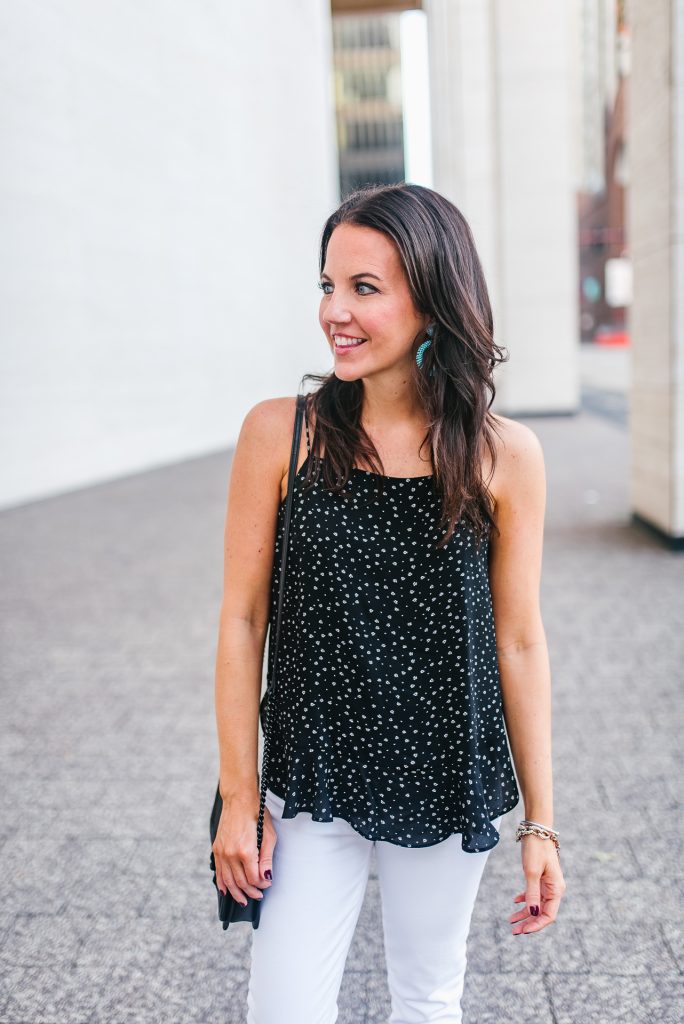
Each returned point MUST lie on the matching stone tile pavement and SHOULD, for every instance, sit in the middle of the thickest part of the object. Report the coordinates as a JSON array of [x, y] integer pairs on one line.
[[108, 759]]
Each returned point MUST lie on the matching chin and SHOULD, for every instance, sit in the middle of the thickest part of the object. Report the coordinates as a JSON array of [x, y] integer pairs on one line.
[[342, 373]]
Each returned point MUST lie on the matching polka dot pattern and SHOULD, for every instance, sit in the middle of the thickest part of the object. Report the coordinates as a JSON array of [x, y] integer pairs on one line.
[[387, 710]]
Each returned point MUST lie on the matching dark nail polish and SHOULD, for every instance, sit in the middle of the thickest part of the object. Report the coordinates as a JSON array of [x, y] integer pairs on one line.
[[267, 874], [534, 911]]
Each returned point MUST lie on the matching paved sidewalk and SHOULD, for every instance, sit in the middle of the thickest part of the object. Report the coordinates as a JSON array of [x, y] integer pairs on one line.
[[108, 760]]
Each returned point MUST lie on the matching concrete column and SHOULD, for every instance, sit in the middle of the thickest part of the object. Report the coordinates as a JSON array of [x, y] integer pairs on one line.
[[655, 217], [503, 94]]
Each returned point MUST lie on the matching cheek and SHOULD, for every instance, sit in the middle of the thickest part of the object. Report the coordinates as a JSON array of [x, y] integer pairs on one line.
[[384, 323], [392, 318]]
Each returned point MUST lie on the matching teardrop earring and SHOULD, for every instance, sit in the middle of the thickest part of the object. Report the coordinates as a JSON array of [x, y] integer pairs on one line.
[[423, 348]]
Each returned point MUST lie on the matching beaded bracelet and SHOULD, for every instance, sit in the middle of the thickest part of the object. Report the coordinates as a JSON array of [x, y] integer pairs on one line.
[[533, 828]]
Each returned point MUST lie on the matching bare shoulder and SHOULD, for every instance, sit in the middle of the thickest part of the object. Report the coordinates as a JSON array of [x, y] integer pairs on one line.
[[516, 441], [515, 556], [267, 426], [266, 438], [252, 508], [269, 413], [519, 459]]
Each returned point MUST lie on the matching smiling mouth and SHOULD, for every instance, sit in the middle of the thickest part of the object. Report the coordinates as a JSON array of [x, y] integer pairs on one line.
[[341, 342]]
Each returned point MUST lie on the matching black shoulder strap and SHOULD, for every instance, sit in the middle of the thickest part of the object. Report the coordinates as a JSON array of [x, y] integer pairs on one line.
[[294, 457], [306, 424]]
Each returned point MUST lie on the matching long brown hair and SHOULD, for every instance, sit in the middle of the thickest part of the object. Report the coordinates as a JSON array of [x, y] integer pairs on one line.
[[446, 281]]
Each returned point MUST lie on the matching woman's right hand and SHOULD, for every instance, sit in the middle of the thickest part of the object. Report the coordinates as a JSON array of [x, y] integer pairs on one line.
[[240, 866]]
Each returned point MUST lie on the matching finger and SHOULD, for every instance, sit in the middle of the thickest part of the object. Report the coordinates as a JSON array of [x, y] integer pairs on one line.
[[519, 898], [520, 919], [256, 870], [519, 916], [268, 842], [236, 892], [254, 879], [548, 915], [265, 871], [533, 896], [535, 924], [550, 907], [238, 867], [229, 885], [219, 868]]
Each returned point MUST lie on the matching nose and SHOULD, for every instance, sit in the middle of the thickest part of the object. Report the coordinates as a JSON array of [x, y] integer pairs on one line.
[[335, 312]]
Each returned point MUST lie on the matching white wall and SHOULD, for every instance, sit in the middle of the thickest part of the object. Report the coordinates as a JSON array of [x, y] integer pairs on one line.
[[166, 170], [503, 85], [655, 214], [677, 128]]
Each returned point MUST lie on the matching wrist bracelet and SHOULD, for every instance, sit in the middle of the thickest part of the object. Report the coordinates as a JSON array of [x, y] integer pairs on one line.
[[532, 828], [526, 821]]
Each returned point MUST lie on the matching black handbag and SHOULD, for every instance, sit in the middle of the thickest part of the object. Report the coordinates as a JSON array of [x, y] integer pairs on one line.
[[229, 910]]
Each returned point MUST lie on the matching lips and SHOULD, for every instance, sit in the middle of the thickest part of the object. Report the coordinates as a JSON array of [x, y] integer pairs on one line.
[[344, 341]]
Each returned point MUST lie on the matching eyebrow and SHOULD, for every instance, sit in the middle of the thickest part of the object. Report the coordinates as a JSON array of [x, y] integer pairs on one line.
[[353, 277]]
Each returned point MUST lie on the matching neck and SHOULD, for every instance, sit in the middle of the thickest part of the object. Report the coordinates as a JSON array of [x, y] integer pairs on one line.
[[389, 405]]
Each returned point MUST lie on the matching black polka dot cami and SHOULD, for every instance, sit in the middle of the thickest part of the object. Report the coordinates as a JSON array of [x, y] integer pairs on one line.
[[387, 709]]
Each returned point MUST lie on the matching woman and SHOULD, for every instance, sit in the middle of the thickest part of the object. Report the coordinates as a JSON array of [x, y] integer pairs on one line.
[[411, 643]]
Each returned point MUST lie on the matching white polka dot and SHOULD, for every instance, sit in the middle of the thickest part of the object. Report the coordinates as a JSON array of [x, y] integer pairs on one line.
[[387, 708]]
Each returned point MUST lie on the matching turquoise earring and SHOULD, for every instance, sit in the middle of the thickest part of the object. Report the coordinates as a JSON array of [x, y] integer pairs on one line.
[[422, 348]]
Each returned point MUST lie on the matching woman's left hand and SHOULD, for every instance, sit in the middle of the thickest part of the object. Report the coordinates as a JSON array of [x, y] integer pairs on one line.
[[545, 886]]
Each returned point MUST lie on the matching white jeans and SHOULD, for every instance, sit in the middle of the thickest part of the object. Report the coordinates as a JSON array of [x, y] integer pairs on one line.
[[320, 871]]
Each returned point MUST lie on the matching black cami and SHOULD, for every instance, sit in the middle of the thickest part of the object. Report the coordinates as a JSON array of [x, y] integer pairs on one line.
[[387, 709]]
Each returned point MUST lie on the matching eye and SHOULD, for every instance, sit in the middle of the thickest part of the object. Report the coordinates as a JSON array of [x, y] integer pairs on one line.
[[359, 284]]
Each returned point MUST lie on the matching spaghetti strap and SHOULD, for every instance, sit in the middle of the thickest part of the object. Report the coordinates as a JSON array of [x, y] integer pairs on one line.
[[306, 423]]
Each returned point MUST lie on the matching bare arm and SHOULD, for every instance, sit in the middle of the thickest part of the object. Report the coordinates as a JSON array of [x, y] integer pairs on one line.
[[253, 497], [515, 574]]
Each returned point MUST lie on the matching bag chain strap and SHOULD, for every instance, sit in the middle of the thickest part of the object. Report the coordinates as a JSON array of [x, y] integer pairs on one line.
[[294, 456]]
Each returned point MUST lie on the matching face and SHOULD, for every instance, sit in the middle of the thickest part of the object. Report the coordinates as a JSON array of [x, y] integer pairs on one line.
[[366, 296]]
